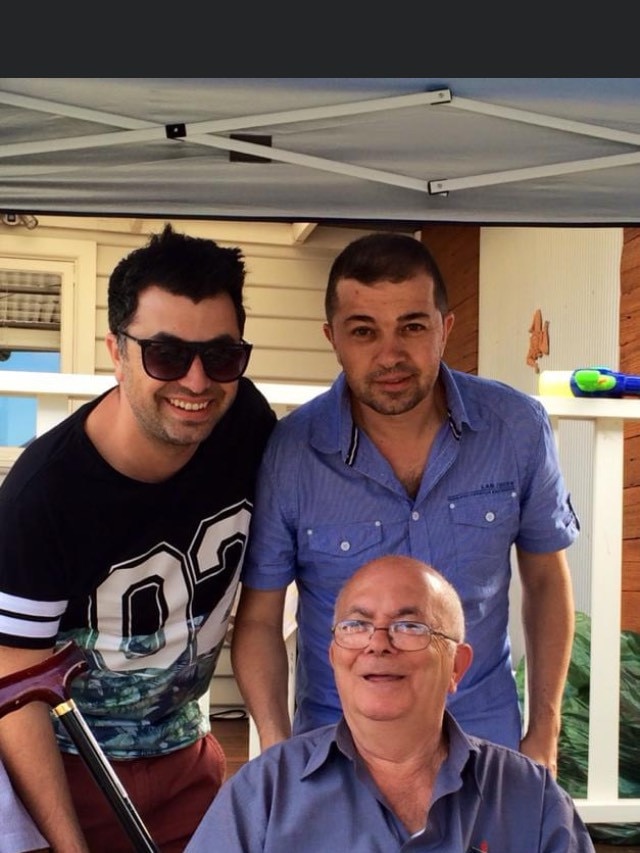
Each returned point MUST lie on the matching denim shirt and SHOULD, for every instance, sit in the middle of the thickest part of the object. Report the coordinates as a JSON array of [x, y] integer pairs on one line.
[[327, 502]]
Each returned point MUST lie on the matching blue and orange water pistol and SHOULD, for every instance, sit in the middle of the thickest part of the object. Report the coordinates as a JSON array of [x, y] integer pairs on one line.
[[588, 382]]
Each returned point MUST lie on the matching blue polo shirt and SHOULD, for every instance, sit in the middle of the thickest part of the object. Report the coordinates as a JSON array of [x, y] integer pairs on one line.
[[327, 502], [311, 793]]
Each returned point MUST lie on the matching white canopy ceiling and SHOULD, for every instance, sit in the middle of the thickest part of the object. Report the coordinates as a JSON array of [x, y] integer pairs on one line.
[[483, 150]]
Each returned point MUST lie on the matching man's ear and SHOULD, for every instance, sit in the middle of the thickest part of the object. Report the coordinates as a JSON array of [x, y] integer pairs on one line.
[[447, 324], [461, 663], [328, 333], [113, 349], [326, 328]]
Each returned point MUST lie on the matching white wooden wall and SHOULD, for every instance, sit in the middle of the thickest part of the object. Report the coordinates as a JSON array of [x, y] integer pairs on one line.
[[286, 277], [573, 276]]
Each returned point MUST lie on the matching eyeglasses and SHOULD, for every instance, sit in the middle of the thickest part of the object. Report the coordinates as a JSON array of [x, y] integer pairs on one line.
[[168, 360], [403, 635]]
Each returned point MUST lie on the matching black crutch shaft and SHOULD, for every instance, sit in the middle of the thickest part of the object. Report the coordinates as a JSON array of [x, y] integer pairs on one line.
[[105, 776]]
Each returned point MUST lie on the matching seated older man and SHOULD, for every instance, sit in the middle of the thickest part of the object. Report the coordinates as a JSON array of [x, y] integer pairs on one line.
[[397, 773]]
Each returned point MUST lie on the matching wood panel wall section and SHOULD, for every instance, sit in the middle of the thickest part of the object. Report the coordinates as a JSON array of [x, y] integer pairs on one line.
[[630, 363], [456, 249]]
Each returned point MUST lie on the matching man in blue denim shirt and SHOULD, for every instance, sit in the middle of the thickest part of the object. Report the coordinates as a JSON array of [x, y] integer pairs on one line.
[[397, 773], [403, 455]]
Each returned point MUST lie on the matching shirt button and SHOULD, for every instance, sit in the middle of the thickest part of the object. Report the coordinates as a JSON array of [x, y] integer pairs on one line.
[[415, 515], [490, 516], [344, 546]]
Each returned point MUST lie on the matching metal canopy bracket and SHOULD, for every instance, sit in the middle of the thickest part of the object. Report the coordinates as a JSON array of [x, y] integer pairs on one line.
[[176, 131]]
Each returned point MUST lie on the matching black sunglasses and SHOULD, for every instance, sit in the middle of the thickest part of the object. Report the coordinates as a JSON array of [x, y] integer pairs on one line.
[[167, 360]]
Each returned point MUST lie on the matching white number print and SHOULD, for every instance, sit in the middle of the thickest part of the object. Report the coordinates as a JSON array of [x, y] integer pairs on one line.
[[153, 607]]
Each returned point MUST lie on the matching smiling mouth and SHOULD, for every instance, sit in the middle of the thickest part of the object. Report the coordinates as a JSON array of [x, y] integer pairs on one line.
[[392, 378], [382, 676], [187, 406]]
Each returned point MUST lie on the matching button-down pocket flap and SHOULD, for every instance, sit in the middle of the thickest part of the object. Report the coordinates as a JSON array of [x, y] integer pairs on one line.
[[344, 540], [484, 510]]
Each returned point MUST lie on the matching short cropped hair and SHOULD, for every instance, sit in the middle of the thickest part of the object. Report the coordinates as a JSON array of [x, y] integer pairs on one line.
[[384, 256], [184, 266]]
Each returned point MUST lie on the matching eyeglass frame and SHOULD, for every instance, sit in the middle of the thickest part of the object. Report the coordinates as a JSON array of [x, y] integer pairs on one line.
[[370, 629], [196, 348]]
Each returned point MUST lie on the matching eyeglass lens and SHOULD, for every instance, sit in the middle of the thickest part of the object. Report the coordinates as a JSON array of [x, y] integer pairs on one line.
[[170, 360], [406, 635]]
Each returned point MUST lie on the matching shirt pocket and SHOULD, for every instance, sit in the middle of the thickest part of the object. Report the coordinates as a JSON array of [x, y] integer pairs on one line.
[[335, 551], [485, 525]]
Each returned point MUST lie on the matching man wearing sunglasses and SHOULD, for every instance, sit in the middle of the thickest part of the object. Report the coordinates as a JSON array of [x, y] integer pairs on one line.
[[397, 772], [124, 528]]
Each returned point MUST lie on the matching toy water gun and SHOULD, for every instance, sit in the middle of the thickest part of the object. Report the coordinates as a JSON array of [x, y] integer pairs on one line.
[[588, 382]]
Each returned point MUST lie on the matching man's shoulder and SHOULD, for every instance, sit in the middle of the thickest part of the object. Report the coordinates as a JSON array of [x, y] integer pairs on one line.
[[494, 395], [249, 395], [295, 751], [251, 410], [299, 422], [51, 451], [492, 755]]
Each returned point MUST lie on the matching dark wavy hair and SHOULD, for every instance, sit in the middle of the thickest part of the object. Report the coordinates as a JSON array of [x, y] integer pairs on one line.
[[185, 266], [384, 256]]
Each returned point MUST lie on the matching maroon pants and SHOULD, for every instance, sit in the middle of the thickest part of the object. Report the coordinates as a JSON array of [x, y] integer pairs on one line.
[[171, 794]]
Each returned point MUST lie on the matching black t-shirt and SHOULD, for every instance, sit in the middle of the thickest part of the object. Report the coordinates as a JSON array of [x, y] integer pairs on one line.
[[141, 575]]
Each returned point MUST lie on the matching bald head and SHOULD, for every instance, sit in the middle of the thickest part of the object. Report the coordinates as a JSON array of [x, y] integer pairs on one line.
[[418, 583]]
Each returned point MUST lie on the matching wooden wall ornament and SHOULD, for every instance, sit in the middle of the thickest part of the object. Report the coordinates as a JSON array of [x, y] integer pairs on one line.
[[538, 340]]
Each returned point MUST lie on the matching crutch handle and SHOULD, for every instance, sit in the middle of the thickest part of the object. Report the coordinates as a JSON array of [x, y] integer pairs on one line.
[[46, 681]]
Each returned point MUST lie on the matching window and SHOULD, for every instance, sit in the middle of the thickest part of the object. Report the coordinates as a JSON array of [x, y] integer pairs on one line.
[[18, 414]]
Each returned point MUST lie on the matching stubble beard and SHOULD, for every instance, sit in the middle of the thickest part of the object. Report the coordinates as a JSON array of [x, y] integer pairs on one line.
[[390, 402], [160, 430]]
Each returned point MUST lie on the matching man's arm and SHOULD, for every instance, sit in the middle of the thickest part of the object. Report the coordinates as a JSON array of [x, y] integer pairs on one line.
[[548, 617], [32, 759], [260, 664]]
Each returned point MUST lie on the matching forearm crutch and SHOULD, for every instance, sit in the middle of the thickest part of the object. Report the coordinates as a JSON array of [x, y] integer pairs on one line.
[[48, 682]]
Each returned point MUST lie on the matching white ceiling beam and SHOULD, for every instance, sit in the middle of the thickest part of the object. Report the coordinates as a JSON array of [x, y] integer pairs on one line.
[[148, 132], [302, 230], [70, 111], [226, 144], [541, 120], [311, 162], [490, 179]]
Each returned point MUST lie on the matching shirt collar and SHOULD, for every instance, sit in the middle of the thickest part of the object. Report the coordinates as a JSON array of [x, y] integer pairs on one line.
[[461, 758], [335, 431], [456, 409], [462, 754], [326, 742]]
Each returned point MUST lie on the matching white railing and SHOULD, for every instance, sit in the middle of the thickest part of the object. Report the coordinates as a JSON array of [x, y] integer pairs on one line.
[[602, 803], [55, 392]]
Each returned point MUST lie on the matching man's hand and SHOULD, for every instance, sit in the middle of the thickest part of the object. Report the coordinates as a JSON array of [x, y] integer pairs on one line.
[[543, 750]]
